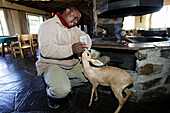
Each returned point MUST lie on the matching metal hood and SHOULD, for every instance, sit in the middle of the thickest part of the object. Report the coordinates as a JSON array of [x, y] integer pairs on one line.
[[122, 8]]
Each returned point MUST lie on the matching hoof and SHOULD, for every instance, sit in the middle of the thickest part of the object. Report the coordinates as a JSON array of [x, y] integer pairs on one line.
[[96, 99]]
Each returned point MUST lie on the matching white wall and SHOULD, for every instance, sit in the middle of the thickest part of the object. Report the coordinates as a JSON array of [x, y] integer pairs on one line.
[[142, 22]]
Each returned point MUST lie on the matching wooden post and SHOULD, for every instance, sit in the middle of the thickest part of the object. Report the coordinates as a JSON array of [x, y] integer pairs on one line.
[[82, 22], [94, 19], [150, 20]]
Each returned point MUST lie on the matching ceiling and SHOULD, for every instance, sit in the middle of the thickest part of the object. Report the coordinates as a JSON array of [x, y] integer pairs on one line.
[[57, 5]]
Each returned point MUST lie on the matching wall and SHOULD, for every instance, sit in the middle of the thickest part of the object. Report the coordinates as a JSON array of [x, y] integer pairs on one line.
[[15, 13]]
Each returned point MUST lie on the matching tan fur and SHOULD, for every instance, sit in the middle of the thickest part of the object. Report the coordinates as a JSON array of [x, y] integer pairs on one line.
[[116, 78]]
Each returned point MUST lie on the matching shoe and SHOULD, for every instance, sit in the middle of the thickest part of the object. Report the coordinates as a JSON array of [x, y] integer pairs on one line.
[[52, 102]]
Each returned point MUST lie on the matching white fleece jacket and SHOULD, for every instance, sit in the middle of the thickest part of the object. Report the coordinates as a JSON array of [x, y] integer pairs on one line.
[[55, 44]]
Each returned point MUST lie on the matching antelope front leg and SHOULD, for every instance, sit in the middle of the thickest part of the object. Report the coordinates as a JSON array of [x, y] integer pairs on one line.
[[93, 89], [96, 95]]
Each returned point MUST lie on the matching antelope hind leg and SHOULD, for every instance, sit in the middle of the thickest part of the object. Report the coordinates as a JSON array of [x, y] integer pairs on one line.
[[118, 94], [128, 93], [122, 100]]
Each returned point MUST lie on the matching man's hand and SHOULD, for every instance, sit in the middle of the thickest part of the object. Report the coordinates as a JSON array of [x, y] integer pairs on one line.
[[78, 47]]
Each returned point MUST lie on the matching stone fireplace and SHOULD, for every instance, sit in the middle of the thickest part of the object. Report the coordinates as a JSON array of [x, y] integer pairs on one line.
[[149, 66], [152, 75]]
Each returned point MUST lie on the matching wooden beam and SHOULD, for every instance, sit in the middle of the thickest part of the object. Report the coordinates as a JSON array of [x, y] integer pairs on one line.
[[65, 1]]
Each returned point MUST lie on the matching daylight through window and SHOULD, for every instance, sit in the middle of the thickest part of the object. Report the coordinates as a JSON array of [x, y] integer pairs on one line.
[[34, 23], [3, 25]]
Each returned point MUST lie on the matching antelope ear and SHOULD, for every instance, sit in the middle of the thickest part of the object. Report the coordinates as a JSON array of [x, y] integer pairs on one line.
[[96, 62]]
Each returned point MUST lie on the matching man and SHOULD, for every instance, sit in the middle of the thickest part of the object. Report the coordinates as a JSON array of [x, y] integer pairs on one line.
[[59, 48]]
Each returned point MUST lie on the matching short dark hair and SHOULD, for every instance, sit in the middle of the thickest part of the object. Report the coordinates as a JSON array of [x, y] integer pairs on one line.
[[74, 7]]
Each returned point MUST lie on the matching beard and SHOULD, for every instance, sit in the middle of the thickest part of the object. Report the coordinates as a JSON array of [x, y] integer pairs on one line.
[[72, 24]]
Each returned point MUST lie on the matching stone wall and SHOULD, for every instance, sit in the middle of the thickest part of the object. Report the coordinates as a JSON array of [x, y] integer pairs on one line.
[[152, 75]]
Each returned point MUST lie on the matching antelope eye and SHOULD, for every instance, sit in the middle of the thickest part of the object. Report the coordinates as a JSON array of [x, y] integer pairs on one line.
[[87, 54]]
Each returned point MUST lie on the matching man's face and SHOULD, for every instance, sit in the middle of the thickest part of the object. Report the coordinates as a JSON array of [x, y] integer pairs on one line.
[[73, 16]]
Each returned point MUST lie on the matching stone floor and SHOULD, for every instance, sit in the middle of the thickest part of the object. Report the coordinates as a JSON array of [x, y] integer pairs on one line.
[[22, 91]]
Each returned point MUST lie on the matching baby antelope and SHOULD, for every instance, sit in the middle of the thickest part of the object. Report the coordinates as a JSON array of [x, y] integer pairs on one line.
[[114, 77]]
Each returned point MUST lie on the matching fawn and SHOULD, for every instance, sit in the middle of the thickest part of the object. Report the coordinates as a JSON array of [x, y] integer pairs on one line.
[[116, 78]]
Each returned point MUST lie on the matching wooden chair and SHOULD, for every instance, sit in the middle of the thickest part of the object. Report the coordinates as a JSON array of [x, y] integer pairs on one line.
[[34, 42], [24, 42], [135, 33], [7, 47]]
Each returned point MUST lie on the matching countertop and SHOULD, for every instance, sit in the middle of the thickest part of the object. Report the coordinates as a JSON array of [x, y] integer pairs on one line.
[[100, 43]]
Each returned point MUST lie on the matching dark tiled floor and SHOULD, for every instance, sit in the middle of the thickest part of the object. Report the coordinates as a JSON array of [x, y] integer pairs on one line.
[[22, 91]]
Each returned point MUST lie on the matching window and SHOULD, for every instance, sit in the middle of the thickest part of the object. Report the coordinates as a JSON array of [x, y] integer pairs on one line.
[[3, 25], [34, 23], [161, 18], [129, 23]]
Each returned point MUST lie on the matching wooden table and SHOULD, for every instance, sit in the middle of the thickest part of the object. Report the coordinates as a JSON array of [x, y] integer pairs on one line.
[[7, 39]]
